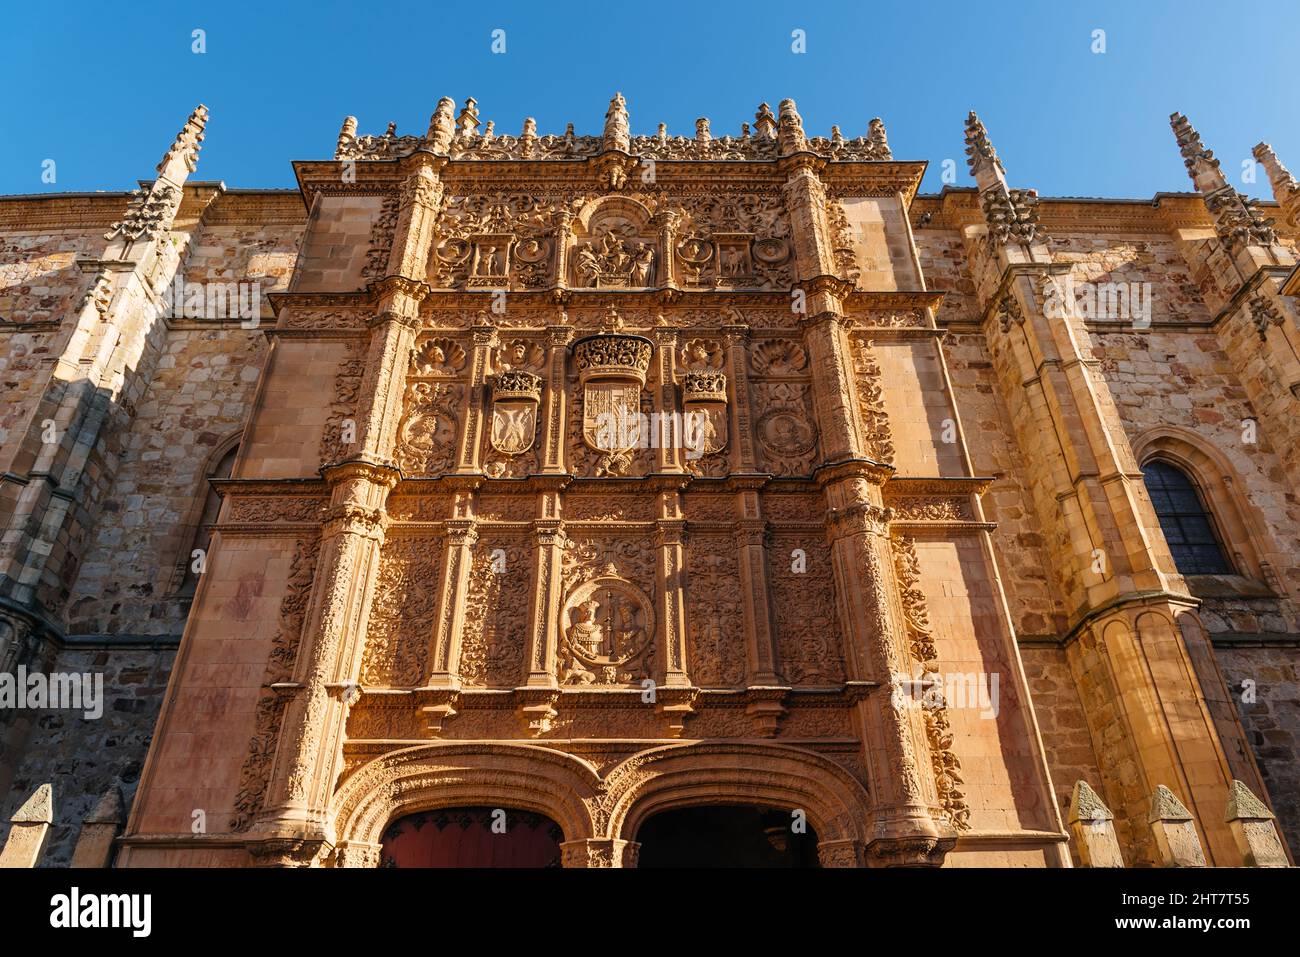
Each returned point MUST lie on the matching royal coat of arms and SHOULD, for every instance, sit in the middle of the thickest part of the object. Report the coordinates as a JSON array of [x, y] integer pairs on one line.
[[612, 369]]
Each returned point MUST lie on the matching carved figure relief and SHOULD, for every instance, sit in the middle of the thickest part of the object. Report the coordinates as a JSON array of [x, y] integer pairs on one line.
[[616, 246], [498, 240], [438, 357], [735, 242]]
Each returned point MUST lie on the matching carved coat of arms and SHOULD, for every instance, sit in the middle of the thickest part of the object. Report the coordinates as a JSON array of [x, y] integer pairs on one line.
[[515, 397], [612, 369]]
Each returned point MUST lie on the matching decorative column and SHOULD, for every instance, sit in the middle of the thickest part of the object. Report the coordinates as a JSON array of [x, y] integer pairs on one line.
[[295, 827], [461, 538], [669, 432], [1134, 629], [895, 748]]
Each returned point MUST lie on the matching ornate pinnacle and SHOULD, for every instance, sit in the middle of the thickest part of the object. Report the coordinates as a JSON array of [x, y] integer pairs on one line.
[[347, 137], [1011, 214], [153, 207], [441, 126], [980, 154], [790, 135], [1285, 188], [702, 134], [183, 156], [764, 123], [1201, 165], [1237, 218], [877, 140], [467, 121], [617, 136]]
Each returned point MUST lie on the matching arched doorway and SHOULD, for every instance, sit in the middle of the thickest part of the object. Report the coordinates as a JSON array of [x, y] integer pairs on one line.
[[472, 837], [727, 836]]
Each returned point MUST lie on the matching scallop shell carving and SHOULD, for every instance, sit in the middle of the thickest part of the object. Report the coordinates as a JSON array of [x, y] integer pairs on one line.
[[438, 357]]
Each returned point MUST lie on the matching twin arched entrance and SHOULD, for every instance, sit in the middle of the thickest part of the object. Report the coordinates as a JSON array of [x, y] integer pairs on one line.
[[701, 805], [715, 835]]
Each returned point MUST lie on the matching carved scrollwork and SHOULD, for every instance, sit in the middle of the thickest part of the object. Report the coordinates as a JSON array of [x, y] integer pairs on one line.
[[402, 612], [715, 645], [497, 609], [921, 645]]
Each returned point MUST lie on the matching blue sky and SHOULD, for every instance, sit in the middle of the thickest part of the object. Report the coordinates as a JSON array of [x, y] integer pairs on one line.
[[102, 88]]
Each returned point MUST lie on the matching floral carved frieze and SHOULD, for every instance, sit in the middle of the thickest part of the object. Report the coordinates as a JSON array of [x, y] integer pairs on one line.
[[803, 605], [271, 509], [497, 609], [715, 645]]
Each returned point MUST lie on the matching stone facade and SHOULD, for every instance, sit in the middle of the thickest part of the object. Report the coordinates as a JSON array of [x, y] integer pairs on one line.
[[596, 476]]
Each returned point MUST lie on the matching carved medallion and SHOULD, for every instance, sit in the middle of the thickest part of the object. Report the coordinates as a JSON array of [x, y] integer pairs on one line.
[[427, 433], [608, 633]]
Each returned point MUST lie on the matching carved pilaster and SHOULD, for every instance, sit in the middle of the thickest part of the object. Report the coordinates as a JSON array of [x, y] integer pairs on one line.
[[831, 358], [669, 539], [546, 603], [669, 436], [760, 638], [310, 748], [419, 199], [553, 425], [471, 441], [743, 457], [461, 537], [805, 200], [894, 735]]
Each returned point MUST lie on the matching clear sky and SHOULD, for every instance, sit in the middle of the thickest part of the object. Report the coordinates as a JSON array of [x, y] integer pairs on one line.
[[101, 88]]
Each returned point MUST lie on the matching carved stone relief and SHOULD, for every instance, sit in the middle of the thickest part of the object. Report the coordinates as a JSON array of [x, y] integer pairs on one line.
[[402, 612], [497, 610], [715, 649], [803, 605]]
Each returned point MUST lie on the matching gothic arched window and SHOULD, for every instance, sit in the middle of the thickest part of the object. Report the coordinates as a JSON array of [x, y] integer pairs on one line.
[[1187, 524], [203, 529]]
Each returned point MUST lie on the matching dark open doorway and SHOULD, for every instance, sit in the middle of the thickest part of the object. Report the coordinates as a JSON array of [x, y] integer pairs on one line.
[[472, 837], [727, 836]]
